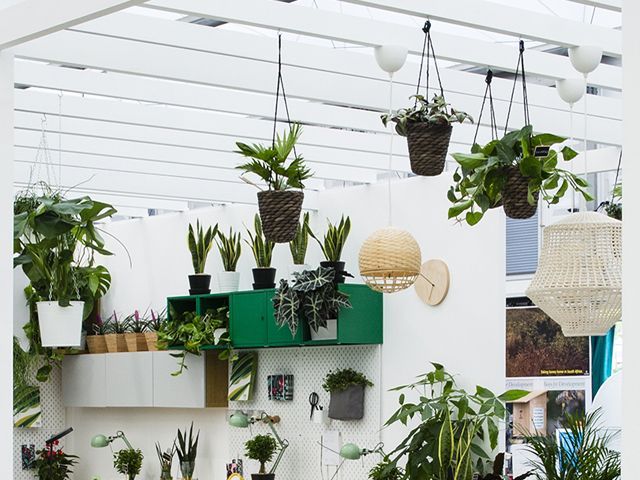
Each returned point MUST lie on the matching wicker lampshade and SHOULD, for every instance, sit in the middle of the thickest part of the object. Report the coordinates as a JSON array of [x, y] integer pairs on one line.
[[390, 260], [579, 278]]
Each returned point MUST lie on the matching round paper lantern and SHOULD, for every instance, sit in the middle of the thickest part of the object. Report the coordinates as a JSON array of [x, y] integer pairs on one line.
[[571, 89], [390, 260], [579, 278], [586, 58], [391, 58]]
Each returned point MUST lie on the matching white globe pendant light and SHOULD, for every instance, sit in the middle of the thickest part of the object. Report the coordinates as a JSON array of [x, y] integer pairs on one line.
[[586, 58], [571, 90], [391, 58], [579, 278]]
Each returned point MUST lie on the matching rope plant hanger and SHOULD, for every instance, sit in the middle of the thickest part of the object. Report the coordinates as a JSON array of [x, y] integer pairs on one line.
[[281, 204]]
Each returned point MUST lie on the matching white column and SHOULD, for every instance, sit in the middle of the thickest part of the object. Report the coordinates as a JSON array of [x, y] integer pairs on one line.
[[631, 240], [6, 263]]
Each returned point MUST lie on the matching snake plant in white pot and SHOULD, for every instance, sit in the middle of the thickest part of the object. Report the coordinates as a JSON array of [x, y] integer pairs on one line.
[[230, 248]]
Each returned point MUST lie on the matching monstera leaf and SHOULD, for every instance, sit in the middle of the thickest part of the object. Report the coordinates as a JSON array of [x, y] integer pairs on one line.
[[286, 305], [311, 280]]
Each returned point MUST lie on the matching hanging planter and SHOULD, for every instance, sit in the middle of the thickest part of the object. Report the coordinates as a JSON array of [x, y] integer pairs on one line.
[[515, 195], [428, 145], [279, 212], [60, 326], [347, 389]]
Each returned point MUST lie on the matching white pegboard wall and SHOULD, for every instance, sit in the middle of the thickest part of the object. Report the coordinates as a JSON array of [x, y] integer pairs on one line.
[[309, 366], [53, 421]]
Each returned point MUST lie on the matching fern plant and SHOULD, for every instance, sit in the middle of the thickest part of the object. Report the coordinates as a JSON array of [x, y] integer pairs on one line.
[[230, 249], [261, 247], [298, 246], [200, 243], [334, 239]]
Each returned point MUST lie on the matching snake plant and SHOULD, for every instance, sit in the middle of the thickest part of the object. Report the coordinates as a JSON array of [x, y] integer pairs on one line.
[[200, 243], [261, 247], [298, 246], [230, 249]]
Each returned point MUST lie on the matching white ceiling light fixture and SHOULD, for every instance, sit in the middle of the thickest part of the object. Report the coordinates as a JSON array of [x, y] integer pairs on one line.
[[585, 59], [391, 58], [571, 90]]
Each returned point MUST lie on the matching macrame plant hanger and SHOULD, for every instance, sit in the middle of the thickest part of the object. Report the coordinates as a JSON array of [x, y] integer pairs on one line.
[[488, 94], [427, 47], [525, 99], [43, 170], [280, 86]]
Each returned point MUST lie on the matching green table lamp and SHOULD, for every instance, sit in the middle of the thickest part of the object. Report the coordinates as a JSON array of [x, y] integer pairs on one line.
[[101, 441]]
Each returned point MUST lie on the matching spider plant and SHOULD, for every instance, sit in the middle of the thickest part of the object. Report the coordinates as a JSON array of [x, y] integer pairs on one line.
[[230, 249], [261, 247], [298, 246], [334, 239], [200, 243]]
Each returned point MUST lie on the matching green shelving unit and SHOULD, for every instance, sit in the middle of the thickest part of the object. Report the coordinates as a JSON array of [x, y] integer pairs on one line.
[[252, 323]]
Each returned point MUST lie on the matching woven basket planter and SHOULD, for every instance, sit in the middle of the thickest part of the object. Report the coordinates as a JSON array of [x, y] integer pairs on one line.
[[115, 342], [136, 342], [428, 146], [96, 344], [514, 196], [280, 213], [151, 338]]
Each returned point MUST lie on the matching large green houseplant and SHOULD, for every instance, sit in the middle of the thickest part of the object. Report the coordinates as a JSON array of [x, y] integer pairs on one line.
[[512, 171], [200, 242], [281, 203], [264, 275], [332, 246]]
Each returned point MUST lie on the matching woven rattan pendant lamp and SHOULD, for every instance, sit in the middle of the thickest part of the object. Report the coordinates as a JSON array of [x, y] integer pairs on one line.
[[579, 278], [390, 258]]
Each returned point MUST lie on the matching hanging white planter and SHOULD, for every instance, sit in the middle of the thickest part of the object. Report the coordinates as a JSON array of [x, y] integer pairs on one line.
[[228, 281], [60, 326]]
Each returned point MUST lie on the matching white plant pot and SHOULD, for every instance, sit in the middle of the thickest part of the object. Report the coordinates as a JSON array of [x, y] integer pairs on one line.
[[295, 268], [217, 335], [328, 333], [228, 281], [60, 326]]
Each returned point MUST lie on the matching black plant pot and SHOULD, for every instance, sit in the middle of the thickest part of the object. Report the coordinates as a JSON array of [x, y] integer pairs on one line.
[[347, 404], [264, 278], [338, 267], [199, 284], [263, 476]]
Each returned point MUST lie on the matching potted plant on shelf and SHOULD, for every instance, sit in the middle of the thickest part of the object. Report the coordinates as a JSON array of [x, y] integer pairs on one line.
[[134, 336], [427, 126], [453, 427], [262, 448], [52, 463], [313, 297], [187, 450], [95, 341], [346, 387], [153, 327], [298, 246], [55, 242], [128, 461], [264, 276], [230, 248], [200, 243], [281, 203], [332, 246], [166, 460], [114, 333], [511, 171]]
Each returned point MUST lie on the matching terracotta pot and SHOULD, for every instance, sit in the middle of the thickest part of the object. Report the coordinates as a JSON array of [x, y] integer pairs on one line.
[[96, 344]]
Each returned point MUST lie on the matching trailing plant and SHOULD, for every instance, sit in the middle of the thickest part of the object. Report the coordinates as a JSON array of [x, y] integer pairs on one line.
[[261, 448], [128, 461], [480, 179], [52, 463], [384, 470], [261, 247], [187, 447], [200, 242], [584, 454], [312, 296], [298, 246], [271, 163], [230, 249], [334, 239], [191, 332], [339, 380], [166, 460], [437, 112], [448, 443]]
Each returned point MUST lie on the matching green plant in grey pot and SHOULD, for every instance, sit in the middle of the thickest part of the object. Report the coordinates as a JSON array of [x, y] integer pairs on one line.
[[332, 246], [200, 242], [166, 460], [298, 246], [187, 450], [264, 276], [128, 461], [346, 387], [230, 248], [262, 448]]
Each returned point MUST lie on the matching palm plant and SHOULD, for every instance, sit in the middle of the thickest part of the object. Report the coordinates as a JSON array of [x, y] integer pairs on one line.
[[200, 243], [261, 247], [334, 239], [230, 249], [584, 452], [270, 163], [298, 246]]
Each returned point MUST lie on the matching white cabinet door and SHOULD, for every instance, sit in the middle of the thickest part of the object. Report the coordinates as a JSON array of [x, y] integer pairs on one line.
[[83, 381], [186, 390], [129, 379]]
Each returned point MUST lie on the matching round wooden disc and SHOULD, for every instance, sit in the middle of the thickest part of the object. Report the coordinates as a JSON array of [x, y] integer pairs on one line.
[[438, 274]]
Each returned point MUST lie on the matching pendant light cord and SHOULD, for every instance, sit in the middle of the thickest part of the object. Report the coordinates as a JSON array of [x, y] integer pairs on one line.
[[389, 167]]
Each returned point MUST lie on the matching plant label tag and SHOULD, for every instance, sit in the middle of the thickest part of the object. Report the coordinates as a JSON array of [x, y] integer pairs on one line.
[[541, 151]]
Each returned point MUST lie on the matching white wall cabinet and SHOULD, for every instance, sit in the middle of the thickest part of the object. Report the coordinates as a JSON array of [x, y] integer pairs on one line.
[[143, 379]]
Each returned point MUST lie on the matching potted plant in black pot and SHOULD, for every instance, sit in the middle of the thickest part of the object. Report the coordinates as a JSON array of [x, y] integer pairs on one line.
[[230, 248], [264, 275], [512, 171], [200, 243], [280, 205], [427, 126], [262, 448], [346, 387], [332, 246], [128, 461]]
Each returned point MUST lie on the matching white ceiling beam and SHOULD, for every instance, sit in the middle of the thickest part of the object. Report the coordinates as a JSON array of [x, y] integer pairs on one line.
[[363, 31], [30, 19], [506, 20], [613, 5]]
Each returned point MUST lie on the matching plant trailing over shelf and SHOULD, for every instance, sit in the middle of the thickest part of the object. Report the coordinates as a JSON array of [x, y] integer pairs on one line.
[[261, 448], [448, 442], [187, 450], [513, 171], [339, 380], [585, 453], [230, 249], [334, 239], [298, 246], [200, 242], [166, 460], [261, 247], [52, 463], [128, 461], [311, 296]]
